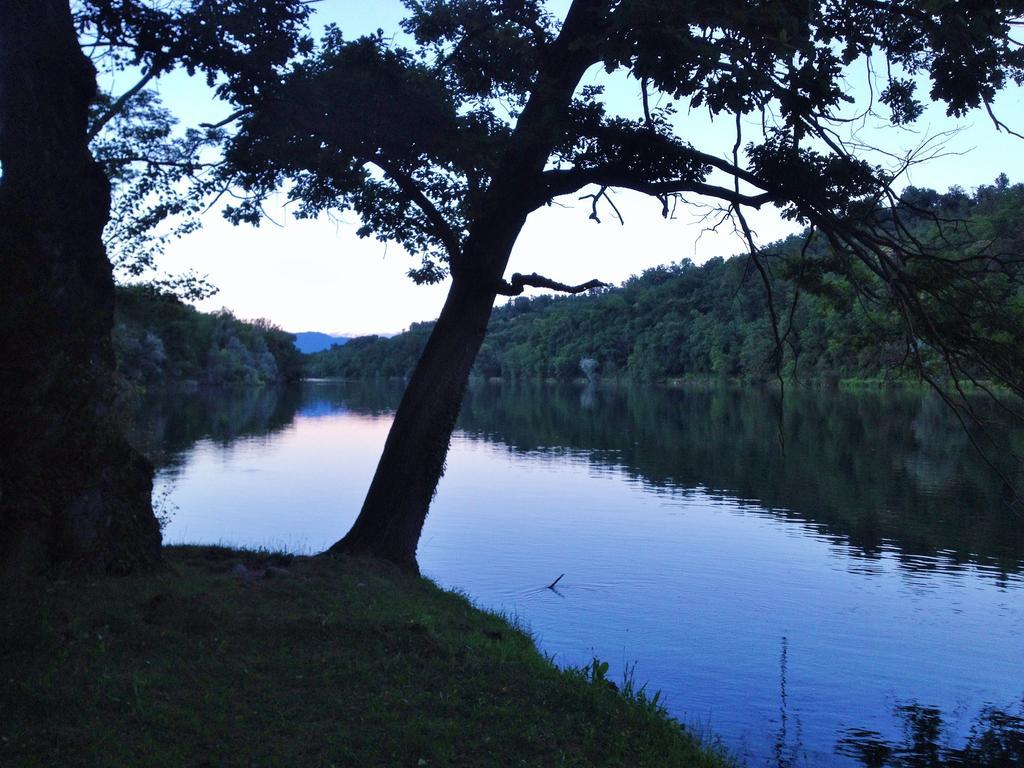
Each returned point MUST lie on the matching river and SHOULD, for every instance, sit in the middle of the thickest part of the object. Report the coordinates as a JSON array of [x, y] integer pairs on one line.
[[835, 579]]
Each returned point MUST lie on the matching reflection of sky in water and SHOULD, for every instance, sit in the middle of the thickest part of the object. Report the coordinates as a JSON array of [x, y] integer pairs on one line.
[[702, 592], [298, 489]]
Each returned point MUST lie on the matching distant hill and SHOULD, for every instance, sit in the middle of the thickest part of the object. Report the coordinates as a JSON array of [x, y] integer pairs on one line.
[[309, 342], [712, 320]]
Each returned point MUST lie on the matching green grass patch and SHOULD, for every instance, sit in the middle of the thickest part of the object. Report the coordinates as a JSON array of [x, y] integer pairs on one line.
[[225, 658]]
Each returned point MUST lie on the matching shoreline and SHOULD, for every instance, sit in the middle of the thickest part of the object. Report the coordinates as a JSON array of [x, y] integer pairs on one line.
[[228, 657]]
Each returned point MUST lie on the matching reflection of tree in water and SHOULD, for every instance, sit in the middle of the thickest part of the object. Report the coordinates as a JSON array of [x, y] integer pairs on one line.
[[938, 441], [996, 740], [869, 470], [368, 397], [787, 751], [872, 470], [588, 396], [169, 423]]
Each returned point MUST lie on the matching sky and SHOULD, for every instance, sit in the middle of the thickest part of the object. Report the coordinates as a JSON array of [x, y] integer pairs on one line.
[[318, 275]]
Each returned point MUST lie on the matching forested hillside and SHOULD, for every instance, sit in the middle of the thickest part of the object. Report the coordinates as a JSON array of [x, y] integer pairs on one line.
[[685, 320], [159, 339]]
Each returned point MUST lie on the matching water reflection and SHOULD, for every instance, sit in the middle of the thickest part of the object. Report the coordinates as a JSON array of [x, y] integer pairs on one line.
[[873, 471], [168, 422], [996, 740], [788, 748]]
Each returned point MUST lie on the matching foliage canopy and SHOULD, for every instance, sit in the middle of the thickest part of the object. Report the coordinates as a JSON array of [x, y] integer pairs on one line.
[[160, 174]]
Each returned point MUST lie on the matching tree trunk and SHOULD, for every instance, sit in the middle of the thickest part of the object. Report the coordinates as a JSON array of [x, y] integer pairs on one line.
[[392, 516], [73, 494]]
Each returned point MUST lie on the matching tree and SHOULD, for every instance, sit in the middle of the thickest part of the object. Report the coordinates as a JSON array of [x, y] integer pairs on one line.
[[448, 147], [158, 187], [160, 175], [71, 489], [73, 494]]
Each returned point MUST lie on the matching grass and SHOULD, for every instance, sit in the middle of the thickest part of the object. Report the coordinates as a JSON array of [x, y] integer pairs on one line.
[[224, 658]]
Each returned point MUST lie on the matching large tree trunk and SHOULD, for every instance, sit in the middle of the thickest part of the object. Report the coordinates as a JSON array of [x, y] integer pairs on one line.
[[392, 516], [73, 494]]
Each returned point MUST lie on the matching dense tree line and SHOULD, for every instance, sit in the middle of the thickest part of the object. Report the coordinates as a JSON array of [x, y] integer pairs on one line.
[[368, 356], [159, 339], [685, 320]]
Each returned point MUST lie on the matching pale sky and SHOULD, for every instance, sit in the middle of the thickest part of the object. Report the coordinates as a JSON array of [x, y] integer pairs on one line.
[[317, 275]]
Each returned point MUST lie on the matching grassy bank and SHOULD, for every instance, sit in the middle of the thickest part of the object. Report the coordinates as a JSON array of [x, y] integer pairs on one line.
[[237, 659]]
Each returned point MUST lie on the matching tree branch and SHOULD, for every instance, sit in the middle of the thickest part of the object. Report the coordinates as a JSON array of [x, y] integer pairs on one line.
[[519, 282], [730, 168], [182, 164], [116, 108], [442, 229], [556, 183], [648, 121], [596, 198], [999, 124], [229, 119]]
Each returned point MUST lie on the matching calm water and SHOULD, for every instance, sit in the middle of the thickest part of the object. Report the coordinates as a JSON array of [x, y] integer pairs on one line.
[[856, 599]]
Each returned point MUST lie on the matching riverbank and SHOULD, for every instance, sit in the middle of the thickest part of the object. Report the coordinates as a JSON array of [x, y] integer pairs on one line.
[[225, 658]]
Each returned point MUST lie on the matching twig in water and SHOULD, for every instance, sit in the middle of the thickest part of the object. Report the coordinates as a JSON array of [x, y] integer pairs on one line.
[[552, 584]]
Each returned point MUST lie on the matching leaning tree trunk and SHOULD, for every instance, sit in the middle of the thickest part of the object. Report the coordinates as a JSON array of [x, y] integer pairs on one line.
[[392, 516], [73, 494]]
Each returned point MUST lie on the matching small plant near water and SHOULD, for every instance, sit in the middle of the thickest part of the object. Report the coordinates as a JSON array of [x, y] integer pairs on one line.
[[596, 673]]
